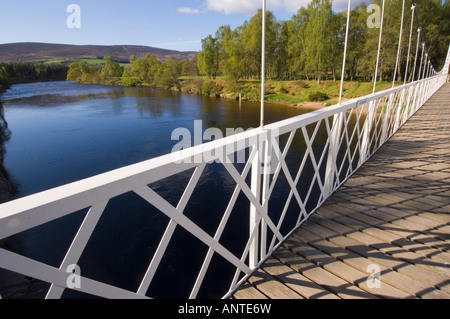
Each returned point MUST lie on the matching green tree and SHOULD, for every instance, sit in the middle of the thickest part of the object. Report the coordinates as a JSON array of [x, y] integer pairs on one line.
[[208, 58], [297, 44], [434, 17], [4, 81], [317, 49], [112, 72], [281, 69], [91, 74], [75, 71], [335, 40], [170, 72], [356, 42], [252, 39], [189, 67]]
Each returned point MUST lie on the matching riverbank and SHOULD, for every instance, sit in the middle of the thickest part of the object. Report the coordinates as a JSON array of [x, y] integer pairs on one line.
[[149, 72], [297, 93]]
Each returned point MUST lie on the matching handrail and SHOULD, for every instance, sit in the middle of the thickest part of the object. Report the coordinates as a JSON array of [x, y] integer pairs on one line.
[[378, 116]]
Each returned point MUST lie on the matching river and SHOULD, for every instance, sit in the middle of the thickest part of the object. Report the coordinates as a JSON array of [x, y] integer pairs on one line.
[[62, 132]]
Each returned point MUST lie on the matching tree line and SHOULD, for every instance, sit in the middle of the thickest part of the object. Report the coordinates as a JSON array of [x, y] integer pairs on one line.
[[311, 44], [23, 72], [145, 71]]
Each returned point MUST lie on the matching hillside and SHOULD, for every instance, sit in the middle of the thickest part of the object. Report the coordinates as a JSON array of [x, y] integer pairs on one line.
[[46, 52]]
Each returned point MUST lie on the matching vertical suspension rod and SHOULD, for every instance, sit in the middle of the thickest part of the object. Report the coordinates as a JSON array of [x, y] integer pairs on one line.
[[379, 49], [409, 46], [417, 52], [399, 44], [263, 64], [345, 51]]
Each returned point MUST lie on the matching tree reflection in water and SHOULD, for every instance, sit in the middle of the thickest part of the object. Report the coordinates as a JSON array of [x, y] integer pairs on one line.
[[5, 135]]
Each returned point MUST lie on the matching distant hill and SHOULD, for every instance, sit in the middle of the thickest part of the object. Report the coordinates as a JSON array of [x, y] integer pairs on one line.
[[47, 52]]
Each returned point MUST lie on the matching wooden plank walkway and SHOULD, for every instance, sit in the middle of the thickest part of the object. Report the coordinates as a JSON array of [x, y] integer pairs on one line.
[[393, 214]]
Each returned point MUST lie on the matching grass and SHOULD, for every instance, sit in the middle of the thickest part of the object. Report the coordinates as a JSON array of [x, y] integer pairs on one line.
[[327, 92], [289, 92], [88, 61]]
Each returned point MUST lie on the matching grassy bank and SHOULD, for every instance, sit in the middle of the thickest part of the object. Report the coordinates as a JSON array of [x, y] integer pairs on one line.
[[286, 92]]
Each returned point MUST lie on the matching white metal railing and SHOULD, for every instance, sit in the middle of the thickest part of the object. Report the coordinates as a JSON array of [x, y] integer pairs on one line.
[[354, 130]]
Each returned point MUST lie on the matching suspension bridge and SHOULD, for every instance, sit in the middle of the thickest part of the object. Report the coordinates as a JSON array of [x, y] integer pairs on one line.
[[344, 202], [384, 233]]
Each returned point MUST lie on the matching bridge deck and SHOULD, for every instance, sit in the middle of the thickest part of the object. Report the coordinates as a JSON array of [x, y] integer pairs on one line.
[[393, 214]]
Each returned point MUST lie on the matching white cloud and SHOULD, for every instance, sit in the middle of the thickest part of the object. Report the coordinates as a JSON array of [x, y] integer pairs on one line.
[[189, 10], [251, 6]]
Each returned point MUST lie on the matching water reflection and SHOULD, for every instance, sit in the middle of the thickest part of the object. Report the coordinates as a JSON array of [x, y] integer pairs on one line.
[[6, 190], [155, 102]]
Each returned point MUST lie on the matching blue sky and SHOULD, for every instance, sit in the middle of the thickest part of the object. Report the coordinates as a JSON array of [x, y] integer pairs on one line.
[[170, 24]]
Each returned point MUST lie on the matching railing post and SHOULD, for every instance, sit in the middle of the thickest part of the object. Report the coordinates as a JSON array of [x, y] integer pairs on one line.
[[408, 108], [254, 215], [387, 115], [262, 165], [265, 188], [399, 110], [367, 128], [333, 150]]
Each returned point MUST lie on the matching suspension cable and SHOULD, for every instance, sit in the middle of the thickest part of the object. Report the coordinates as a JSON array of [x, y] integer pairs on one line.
[[409, 46], [263, 66], [423, 37], [421, 61], [345, 51], [379, 49], [417, 52], [399, 44], [425, 65]]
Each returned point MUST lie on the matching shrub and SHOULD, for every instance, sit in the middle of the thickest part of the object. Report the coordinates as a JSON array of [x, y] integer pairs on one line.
[[232, 85], [284, 89], [211, 88], [192, 86], [303, 84], [269, 88], [251, 92], [166, 82], [318, 96]]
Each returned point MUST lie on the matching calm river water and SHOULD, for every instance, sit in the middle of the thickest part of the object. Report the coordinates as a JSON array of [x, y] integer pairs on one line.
[[62, 132]]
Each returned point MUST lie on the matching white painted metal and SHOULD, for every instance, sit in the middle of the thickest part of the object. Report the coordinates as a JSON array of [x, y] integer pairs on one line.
[[254, 216], [145, 284], [263, 62], [409, 46], [417, 52], [397, 61], [421, 61], [78, 245], [345, 50], [379, 49]]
